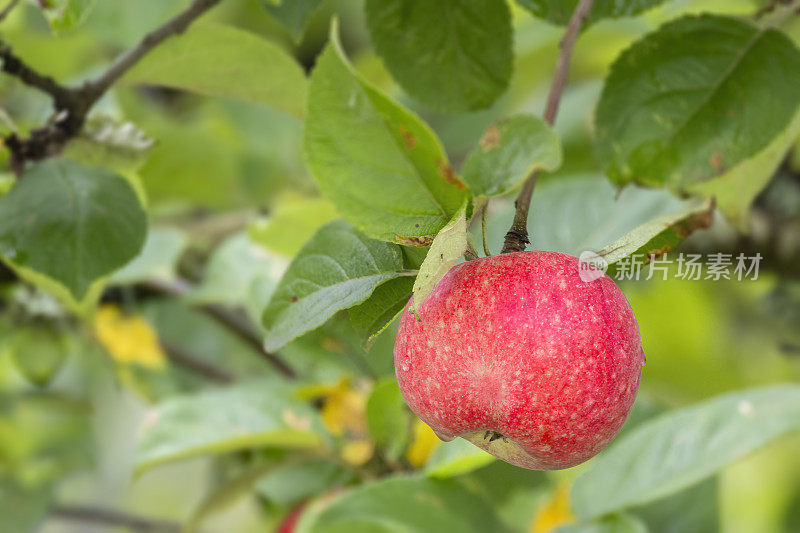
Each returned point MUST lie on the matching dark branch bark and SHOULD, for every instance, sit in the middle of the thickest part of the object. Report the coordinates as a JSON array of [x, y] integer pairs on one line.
[[113, 518], [184, 359], [232, 320], [6, 10], [72, 104], [517, 237]]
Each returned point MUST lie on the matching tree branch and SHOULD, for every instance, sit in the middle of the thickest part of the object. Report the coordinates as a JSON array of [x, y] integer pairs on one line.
[[184, 359], [6, 10], [235, 322], [72, 104], [517, 236], [110, 517]]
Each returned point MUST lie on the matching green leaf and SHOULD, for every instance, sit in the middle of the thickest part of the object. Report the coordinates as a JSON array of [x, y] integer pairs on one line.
[[449, 54], [226, 495], [219, 60], [291, 224], [660, 235], [254, 415], [735, 190], [447, 248], [676, 450], [39, 352], [23, 508], [509, 151], [381, 166], [106, 142], [65, 15], [618, 523], [289, 483], [157, 260], [388, 418], [335, 270], [560, 11], [694, 99], [294, 15], [403, 504], [456, 457], [70, 223], [387, 301]]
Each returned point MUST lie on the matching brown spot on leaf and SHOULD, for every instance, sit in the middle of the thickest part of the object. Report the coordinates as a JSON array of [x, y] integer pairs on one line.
[[655, 253], [491, 138], [294, 298], [447, 173], [411, 141], [424, 240], [698, 221]]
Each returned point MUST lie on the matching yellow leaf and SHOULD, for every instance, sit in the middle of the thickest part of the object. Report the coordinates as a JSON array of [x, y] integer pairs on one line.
[[358, 452], [344, 410], [555, 512], [422, 445], [128, 339]]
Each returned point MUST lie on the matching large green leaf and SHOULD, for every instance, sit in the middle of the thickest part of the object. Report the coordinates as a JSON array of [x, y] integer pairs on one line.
[[676, 450], [381, 166], [220, 60], [509, 151], [694, 99], [403, 504], [254, 415], [560, 11], [449, 54], [335, 270], [70, 223], [372, 317], [294, 15]]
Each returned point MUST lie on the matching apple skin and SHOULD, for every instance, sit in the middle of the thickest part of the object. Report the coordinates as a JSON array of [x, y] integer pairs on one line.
[[521, 357]]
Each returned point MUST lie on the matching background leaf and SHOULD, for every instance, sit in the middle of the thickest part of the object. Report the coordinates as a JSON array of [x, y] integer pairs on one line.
[[219, 60], [681, 448], [337, 269], [509, 151], [448, 54], [381, 166], [71, 223], [257, 414], [388, 418], [456, 457], [294, 15], [404, 504], [695, 98], [157, 258]]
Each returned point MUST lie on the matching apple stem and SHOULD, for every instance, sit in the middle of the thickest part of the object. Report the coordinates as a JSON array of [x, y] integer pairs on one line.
[[517, 237]]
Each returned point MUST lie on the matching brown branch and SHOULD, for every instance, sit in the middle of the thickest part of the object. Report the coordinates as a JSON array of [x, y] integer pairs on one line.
[[6, 10], [111, 517], [234, 321], [517, 236], [95, 88], [184, 359], [72, 104]]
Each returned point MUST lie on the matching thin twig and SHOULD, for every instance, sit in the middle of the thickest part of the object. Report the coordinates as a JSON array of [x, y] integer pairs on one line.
[[234, 321], [123, 63], [6, 10], [111, 517], [72, 104], [184, 359], [517, 236], [486, 251]]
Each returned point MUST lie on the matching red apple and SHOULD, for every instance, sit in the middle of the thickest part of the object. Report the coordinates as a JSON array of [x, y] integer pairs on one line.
[[520, 356]]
